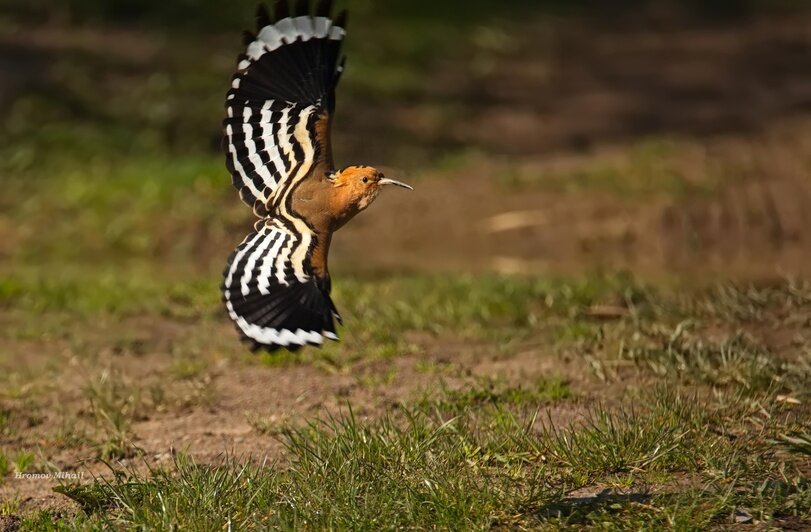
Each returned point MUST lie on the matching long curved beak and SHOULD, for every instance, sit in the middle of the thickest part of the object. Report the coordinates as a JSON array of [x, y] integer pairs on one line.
[[387, 181]]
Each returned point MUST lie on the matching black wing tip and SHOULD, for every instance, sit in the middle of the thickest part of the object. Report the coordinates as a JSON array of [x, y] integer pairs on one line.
[[282, 10], [315, 60], [323, 8], [302, 8], [248, 37], [262, 16], [342, 19]]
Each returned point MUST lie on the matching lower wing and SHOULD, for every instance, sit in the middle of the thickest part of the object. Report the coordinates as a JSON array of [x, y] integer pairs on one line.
[[272, 294]]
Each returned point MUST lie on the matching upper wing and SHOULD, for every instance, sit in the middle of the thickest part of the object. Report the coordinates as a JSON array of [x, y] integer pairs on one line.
[[271, 292], [281, 101]]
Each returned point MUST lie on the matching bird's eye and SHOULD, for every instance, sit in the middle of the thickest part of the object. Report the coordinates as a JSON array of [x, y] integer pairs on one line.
[[365, 179]]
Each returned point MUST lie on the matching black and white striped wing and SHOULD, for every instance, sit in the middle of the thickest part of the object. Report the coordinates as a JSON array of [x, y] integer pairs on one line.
[[271, 293], [284, 85]]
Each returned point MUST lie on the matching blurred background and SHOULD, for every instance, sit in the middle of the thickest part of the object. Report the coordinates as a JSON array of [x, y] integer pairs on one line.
[[567, 156], [662, 137]]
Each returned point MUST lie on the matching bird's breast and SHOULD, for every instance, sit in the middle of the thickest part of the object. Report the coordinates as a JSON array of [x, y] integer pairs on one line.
[[324, 207]]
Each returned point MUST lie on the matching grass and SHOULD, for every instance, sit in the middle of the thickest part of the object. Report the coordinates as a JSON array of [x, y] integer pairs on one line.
[[414, 474], [494, 309], [734, 361], [481, 468], [650, 167], [115, 405], [4, 466], [124, 204], [494, 391], [616, 443], [265, 424], [748, 303], [9, 507], [5, 421], [489, 453], [738, 338], [797, 442], [23, 461], [711, 447], [677, 407]]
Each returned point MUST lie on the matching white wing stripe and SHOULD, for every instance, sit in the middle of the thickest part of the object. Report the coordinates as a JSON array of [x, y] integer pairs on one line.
[[251, 264], [256, 258], [276, 159], [284, 138], [287, 29], [303, 137], [321, 27], [266, 269], [266, 126], [253, 156], [265, 158], [271, 37], [304, 27], [282, 337], [262, 146], [272, 140], [255, 50], [250, 144], [237, 165], [248, 243], [282, 259], [336, 33]]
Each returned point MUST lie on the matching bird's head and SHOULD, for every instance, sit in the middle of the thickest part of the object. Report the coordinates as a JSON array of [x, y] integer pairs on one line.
[[359, 185]]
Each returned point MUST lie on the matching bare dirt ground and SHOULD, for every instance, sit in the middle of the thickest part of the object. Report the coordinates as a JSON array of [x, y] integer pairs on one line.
[[230, 408], [754, 226], [553, 105]]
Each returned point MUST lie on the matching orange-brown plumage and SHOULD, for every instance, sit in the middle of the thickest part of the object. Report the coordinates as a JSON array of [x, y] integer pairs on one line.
[[331, 201]]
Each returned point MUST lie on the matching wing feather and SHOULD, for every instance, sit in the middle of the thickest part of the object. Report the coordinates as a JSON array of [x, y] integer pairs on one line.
[[270, 302], [286, 77]]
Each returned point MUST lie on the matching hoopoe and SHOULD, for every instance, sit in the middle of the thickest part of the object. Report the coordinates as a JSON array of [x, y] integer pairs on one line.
[[277, 149]]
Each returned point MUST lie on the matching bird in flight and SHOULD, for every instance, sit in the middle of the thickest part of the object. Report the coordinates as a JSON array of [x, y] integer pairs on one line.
[[277, 148]]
